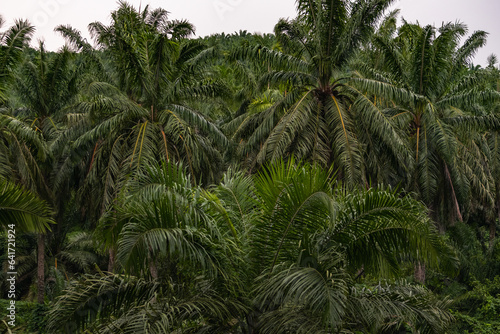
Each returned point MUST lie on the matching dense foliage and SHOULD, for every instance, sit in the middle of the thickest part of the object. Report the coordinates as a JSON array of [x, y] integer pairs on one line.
[[341, 175]]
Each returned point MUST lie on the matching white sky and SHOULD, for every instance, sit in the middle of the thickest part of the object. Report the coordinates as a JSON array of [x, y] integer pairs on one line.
[[212, 16]]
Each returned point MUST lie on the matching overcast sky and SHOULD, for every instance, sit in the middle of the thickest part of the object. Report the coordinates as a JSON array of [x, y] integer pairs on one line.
[[213, 16]]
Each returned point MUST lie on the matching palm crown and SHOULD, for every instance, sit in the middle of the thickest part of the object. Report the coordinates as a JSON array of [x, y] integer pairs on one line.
[[314, 118]]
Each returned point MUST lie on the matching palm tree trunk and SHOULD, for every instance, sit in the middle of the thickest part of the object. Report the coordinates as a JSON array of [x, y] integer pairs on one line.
[[493, 231], [493, 226], [453, 195], [111, 261], [41, 269], [153, 270], [420, 272]]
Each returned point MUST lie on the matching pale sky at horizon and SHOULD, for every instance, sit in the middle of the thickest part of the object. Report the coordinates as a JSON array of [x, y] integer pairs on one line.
[[215, 16]]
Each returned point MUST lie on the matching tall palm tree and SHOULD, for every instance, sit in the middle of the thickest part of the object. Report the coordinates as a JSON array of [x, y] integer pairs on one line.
[[170, 252], [491, 148], [424, 85], [46, 84], [146, 117], [315, 117], [12, 43]]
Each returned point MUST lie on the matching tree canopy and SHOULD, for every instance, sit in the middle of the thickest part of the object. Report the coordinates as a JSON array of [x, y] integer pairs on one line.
[[340, 175]]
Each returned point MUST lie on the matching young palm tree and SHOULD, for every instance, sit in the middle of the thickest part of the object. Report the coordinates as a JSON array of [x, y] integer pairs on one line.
[[322, 298], [297, 203], [310, 243], [306, 244], [290, 229]]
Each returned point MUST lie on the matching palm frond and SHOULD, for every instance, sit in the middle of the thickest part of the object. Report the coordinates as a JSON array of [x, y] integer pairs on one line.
[[23, 209]]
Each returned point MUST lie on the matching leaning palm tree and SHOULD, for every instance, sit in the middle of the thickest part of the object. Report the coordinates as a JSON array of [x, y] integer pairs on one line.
[[315, 117], [310, 243]]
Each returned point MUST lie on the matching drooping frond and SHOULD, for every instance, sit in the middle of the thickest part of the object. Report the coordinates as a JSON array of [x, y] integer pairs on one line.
[[377, 229], [23, 209]]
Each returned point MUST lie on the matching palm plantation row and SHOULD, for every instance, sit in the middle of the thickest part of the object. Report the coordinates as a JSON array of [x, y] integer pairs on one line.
[[306, 181]]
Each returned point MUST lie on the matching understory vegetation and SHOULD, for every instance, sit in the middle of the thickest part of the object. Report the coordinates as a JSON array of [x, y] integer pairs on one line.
[[341, 175]]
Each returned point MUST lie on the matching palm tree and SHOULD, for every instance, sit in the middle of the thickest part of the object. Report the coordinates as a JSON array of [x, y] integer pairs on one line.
[[315, 118], [146, 117], [23, 209], [491, 149], [46, 84], [171, 254], [288, 226], [423, 84], [12, 43], [109, 303], [297, 203], [322, 298]]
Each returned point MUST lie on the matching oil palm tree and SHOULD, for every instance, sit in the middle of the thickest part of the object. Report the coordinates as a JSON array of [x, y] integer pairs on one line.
[[297, 203], [304, 245], [143, 114], [424, 85], [315, 117], [311, 242], [323, 298], [12, 43], [489, 143], [170, 252], [21, 211], [109, 303]]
